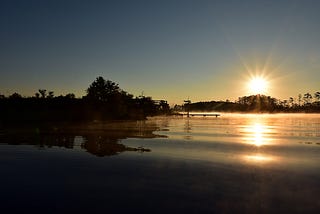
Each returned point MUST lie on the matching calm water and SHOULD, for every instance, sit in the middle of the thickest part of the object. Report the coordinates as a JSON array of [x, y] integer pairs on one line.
[[232, 164]]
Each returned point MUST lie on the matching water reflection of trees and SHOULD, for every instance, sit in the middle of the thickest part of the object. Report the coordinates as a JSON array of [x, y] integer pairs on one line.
[[99, 142], [107, 146]]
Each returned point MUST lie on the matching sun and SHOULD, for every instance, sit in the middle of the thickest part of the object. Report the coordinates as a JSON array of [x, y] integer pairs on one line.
[[258, 85]]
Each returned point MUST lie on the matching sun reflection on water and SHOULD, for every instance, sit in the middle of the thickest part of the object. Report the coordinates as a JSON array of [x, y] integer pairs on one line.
[[257, 134], [258, 158]]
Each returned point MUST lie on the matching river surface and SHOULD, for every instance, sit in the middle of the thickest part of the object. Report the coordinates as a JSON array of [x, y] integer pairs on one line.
[[236, 163]]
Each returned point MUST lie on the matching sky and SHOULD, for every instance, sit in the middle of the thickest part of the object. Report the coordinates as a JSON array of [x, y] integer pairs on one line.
[[166, 49]]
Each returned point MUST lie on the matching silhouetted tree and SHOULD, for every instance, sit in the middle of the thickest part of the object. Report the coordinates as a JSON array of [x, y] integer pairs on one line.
[[43, 93], [164, 106], [50, 95], [104, 100], [15, 95], [102, 89], [291, 101], [147, 105], [307, 98]]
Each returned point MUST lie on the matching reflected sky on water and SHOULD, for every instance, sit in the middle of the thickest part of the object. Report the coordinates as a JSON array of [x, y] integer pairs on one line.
[[234, 163]]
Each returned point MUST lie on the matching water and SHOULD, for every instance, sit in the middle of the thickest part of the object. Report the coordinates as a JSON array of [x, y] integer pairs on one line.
[[231, 164]]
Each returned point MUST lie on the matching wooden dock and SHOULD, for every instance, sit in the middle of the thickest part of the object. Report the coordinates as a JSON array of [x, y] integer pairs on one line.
[[200, 114]]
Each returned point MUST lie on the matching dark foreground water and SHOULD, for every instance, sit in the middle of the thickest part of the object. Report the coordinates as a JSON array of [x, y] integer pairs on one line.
[[232, 164]]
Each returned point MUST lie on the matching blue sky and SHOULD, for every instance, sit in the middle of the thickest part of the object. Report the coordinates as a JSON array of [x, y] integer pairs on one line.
[[204, 50]]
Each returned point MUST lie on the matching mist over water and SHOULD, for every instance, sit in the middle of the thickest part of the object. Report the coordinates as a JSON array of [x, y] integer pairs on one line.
[[243, 163]]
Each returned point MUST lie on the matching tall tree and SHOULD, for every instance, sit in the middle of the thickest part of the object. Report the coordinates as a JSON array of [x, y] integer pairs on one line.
[[307, 98], [43, 93], [102, 89]]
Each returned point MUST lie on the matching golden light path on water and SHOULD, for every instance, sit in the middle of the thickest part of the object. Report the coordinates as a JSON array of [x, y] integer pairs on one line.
[[258, 158], [258, 134]]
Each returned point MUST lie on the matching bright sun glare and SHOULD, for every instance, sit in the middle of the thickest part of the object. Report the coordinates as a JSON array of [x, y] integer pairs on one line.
[[258, 85]]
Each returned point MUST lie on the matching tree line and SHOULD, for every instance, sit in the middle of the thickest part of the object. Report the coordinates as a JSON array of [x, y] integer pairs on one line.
[[259, 104], [104, 100]]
